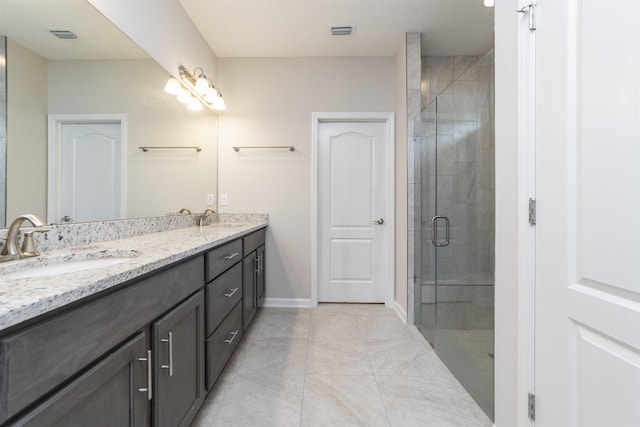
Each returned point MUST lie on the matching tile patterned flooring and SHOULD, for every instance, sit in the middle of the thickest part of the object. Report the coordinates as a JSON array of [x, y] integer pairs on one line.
[[336, 365]]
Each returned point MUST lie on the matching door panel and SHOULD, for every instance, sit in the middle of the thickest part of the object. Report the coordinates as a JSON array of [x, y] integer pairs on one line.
[[106, 395], [351, 191], [587, 345], [90, 169], [179, 363]]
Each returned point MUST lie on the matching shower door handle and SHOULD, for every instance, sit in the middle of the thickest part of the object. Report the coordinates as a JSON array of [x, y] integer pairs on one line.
[[434, 234]]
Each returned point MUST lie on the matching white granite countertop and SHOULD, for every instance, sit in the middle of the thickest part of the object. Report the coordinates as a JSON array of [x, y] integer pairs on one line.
[[24, 299]]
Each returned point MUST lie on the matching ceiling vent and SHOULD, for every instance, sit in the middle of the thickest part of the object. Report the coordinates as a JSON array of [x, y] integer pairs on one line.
[[341, 30], [63, 34]]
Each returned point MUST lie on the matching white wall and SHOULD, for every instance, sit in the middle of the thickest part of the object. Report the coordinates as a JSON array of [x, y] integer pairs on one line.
[[26, 132], [509, 396], [156, 182], [269, 102]]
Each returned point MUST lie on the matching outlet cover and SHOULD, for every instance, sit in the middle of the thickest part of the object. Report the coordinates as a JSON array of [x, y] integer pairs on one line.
[[211, 199], [224, 199]]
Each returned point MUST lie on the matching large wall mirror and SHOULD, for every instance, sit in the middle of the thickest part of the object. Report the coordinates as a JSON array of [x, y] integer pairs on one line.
[[98, 76]]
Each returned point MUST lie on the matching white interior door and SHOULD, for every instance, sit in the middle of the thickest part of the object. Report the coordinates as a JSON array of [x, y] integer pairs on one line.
[[88, 172], [351, 211], [587, 306]]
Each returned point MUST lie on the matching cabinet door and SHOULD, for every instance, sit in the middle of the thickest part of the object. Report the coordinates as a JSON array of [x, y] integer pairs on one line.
[[112, 393], [260, 285], [178, 343], [249, 272]]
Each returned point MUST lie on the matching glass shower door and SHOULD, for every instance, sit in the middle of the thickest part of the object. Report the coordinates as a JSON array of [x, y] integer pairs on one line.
[[455, 287]]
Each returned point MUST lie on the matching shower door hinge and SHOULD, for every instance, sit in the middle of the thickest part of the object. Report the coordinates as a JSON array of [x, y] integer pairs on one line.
[[531, 405], [532, 211], [531, 10]]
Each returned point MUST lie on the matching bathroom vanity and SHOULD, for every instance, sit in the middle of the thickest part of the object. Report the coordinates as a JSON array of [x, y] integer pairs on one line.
[[140, 342]]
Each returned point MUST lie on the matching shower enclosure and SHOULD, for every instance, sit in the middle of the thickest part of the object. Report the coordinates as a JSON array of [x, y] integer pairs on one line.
[[454, 242]]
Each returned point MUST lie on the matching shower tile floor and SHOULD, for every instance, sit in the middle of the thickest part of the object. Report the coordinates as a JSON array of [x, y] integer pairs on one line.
[[337, 365]]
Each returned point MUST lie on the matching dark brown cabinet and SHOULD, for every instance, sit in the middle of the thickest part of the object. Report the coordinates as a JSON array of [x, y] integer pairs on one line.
[[253, 285], [178, 344], [141, 354], [112, 393], [224, 295]]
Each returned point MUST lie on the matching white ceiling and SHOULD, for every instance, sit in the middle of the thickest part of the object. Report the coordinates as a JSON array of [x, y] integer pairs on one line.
[[263, 28], [295, 28], [28, 22]]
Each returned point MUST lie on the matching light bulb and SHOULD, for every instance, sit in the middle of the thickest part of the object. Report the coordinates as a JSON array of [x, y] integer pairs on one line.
[[488, 3], [211, 96], [184, 97], [202, 85], [194, 105], [218, 104], [173, 86]]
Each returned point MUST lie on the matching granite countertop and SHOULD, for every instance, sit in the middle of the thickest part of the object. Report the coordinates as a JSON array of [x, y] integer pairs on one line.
[[24, 299]]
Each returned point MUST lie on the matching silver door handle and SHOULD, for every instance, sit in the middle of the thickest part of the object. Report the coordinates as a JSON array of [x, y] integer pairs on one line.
[[434, 238], [260, 264], [149, 375], [170, 365], [378, 221], [231, 256], [256, 263]]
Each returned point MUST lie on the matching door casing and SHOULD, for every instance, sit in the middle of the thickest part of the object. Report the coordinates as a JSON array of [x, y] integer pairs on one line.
[[388, 119], [54, 144]]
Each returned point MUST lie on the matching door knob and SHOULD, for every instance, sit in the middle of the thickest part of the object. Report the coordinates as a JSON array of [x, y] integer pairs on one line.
[[378, 221]]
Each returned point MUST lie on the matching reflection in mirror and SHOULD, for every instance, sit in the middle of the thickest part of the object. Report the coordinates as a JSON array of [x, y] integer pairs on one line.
[[101, 73]]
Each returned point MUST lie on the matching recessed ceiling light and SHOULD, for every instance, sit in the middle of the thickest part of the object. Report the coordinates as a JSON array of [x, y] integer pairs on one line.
[[341, 30], [63, 34]]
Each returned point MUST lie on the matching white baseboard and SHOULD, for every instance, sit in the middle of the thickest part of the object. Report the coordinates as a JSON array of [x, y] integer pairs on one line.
[[403, 314], [287, 302]]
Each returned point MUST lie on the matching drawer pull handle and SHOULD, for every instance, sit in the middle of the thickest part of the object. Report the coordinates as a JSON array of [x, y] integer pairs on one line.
[[149, 375], [170, 365], [231, 256], [233, 337], [231, 292]]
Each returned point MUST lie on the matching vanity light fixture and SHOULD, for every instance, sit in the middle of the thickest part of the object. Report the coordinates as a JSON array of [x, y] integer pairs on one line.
[[173, 86], [488, 3], [195, 90]]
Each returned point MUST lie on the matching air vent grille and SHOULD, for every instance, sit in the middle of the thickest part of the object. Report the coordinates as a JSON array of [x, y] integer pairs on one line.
[[63, 34], [341, 30]]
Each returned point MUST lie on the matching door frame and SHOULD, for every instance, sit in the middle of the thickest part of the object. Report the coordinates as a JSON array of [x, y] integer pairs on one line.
[[388, 118], [54, 143]]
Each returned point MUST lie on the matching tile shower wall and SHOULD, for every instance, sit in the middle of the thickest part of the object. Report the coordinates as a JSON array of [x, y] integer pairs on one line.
[[465, 183], [414, 131]]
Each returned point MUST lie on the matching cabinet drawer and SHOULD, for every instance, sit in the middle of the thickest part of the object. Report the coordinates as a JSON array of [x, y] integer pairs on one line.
[[222, 295], [253, 241], [38, 358], [222, 343], [220, 259]]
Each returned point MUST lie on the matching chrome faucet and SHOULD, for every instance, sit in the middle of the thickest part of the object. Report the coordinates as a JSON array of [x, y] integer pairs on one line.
[[11, 250], [204, 218]]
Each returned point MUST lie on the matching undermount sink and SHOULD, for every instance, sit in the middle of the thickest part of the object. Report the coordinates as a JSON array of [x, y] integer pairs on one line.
[[55, 265]]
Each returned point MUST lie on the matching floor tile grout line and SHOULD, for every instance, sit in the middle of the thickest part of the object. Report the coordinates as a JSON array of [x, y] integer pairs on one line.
[[306, 363]]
